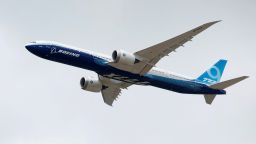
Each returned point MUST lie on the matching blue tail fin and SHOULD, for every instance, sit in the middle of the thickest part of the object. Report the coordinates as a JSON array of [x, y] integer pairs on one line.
[[213, 75]]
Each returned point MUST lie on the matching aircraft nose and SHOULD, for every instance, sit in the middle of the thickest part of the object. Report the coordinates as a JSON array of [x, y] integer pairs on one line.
[[29, 47], [32, 48], [37, 49]]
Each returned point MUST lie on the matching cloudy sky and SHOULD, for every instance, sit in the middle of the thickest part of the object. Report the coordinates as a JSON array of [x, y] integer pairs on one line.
[[41, 101]]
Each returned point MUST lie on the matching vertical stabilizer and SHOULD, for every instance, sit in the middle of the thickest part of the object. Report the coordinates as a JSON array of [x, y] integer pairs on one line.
[[213, 75]]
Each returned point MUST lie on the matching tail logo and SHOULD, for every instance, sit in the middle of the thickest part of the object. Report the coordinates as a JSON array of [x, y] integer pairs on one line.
[[214, 72], [213, 75]]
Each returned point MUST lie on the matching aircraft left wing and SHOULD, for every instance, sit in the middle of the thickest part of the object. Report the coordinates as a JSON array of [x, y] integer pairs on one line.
[[112, 89], [150, 56], [110, 94]]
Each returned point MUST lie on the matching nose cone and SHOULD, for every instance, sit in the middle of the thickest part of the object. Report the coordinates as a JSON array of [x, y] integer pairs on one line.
[[30, 47], [36, 49]]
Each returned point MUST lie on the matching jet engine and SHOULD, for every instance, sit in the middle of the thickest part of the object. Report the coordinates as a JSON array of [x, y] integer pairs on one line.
[[91, 84], [123, 57]]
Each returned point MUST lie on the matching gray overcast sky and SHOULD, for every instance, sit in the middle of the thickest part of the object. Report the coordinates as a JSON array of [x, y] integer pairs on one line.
[[41, 101]]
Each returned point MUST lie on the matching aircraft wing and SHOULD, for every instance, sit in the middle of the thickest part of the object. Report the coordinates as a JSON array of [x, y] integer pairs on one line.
[[112, 89], [110, 94], [150, 56]]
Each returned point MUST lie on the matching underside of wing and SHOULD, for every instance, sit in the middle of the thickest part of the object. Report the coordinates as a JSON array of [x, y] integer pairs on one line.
[[110, 94], [154, 53], [111, 89], [150, 56]]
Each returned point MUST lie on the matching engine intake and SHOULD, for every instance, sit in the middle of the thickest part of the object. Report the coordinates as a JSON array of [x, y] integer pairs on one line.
[[123, 57], [91, 84]]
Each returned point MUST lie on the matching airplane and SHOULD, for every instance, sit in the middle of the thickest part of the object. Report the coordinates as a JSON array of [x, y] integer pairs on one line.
[[124, 69]]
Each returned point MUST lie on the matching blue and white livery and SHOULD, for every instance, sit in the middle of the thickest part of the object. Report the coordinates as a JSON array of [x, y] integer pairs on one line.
[[124, 69]]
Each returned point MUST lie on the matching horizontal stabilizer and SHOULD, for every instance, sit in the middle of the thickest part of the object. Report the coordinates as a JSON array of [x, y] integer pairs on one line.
[[209, 98], [222, 85], [228, 83]]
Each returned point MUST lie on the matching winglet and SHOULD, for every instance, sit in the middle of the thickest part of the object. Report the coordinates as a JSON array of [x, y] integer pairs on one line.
[[214, 22]]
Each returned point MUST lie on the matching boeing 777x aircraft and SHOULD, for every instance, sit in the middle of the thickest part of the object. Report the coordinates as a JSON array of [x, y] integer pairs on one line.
[[125, 69]]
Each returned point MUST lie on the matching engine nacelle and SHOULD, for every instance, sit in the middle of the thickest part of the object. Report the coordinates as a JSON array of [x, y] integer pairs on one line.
[[91, 84], [124, 57]]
